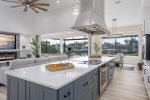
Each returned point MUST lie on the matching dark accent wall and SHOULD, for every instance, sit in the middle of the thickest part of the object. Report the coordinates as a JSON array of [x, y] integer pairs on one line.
[[147, 46], [17, 41]]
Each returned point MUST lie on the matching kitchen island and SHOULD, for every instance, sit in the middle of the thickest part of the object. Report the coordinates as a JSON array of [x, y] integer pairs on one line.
[[37, 83]]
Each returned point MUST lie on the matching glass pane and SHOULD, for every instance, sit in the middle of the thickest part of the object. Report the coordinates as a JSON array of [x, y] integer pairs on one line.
[[127, 45], [50, 46], [108, 45], [76, 47]]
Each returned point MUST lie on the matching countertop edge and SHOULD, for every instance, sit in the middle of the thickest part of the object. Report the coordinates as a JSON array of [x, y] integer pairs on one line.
[[59, 87]]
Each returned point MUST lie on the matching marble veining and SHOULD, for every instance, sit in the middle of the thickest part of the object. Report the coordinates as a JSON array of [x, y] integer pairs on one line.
[[55, 80]]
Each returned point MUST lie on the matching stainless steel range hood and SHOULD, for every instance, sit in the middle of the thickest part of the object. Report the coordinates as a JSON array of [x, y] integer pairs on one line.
[[91, 18]]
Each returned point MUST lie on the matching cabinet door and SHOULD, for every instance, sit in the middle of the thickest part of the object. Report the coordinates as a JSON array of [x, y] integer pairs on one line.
[[96, 84], [88, 95], [38, 92], [66, 93], [16, 89], [32, 91], [47, 93]]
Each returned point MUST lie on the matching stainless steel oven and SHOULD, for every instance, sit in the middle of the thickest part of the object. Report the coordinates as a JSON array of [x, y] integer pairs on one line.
[[103, 78]]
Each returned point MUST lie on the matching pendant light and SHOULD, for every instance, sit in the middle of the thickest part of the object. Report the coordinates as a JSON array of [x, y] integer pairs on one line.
[[114, 30], [75, 8]]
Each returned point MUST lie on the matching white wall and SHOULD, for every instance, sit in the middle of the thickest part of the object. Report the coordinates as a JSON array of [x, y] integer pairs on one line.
[[12, 21], [146, 16], [54, 22], [25, 41]]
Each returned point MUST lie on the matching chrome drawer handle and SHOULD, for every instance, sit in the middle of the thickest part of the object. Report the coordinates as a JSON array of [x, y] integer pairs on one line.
[[144, 71], [148, 79], [85, 84], [96, 73], [67, 95]]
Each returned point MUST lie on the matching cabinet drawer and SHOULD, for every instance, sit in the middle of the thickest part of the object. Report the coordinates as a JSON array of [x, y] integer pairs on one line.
[[66, 93], [83, 85]]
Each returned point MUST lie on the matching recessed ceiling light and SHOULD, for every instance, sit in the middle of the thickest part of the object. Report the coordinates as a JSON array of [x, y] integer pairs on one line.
[[58, 1]]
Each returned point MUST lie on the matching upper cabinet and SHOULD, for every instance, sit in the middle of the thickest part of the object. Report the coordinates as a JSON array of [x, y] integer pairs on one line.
[[146, 16], [146, 3]]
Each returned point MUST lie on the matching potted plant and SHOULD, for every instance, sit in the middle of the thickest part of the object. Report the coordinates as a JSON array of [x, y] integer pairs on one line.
[[35, 48], [110, 54]]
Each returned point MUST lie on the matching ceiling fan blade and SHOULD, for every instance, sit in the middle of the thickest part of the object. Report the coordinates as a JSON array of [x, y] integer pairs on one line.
[[26, 1], [21, 1], [25, 9], [40, 8], [16, 6], [34, 10], [34, 1], [41, 4], [11, 1]]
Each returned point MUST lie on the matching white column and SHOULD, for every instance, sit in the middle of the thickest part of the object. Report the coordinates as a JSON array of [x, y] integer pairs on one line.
[[61, 46], [93, 41], [98, 40], [89, 45], [140, 45]]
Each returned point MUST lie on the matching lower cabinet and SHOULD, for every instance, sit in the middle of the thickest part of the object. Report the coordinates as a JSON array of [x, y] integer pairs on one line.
[[84, 88], [66, 93], [146, 77], [38, 92], [96, 81], [16, 89]]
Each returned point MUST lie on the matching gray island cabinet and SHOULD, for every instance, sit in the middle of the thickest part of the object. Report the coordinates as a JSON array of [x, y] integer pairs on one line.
[[81, 89], [85, 87]]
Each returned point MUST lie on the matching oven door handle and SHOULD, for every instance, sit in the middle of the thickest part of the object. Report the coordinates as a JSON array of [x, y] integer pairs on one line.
[[104, 69]]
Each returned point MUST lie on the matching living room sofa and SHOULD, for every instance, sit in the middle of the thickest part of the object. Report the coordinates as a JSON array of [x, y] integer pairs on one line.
[[22, 63]]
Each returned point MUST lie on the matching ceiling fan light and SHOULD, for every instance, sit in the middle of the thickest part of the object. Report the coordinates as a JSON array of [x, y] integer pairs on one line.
[[75, 9], [27, 5], [75, 12]]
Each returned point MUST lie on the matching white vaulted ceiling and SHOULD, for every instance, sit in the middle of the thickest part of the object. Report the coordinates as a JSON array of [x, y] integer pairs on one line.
[[59, 18], [128, 12], [146, 3]]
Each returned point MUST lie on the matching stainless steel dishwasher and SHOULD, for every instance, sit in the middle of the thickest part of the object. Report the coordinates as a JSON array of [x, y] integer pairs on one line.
[[103, 78]]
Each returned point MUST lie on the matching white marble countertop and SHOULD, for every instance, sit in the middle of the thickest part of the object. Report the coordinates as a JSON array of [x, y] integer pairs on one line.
[[56, 80]]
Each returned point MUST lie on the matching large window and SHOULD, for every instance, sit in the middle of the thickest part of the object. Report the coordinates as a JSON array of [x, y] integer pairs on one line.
[[125, 44], [78, 46], [50, 46]]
